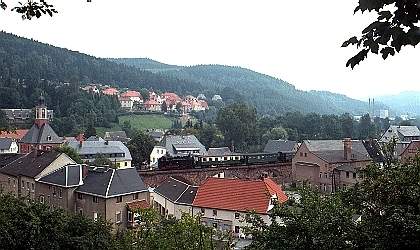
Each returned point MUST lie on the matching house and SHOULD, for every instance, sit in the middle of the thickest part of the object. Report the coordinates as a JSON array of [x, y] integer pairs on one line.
[[94, 147], [288, 148], [216, 98], [403, 135], [17, 134], [152, 105], [174, 197], [177, 145], [8, 146], [110, 91], [116, 136], [326, 164], [224, 203], [126, 102], [171, 99], [18, 177], [410, 151], [91, 88], [201, 97], [155, 97], [23, 116], [40, 136], [186, 107], [129, 98], [157, 135], [112, 194]]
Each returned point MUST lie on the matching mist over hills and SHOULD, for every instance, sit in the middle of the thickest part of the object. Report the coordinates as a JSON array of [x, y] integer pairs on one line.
[[407, 102], [29, 60]]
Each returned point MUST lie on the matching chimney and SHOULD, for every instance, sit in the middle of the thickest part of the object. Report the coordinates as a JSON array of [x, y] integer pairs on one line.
[[80, 138], [347, 148]]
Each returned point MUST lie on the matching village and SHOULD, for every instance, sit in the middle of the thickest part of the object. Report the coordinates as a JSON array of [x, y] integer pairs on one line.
[[182, 175]]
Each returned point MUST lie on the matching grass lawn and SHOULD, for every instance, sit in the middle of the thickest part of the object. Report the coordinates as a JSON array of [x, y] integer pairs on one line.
[[146, 121]]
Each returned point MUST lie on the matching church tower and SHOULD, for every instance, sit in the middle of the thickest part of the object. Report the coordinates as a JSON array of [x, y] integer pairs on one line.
[[41, 112]]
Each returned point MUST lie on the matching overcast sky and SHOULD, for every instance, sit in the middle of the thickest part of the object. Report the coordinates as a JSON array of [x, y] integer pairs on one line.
[[297, 41]]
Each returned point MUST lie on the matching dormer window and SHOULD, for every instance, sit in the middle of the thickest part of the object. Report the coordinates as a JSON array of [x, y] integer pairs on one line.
[[49, 138]]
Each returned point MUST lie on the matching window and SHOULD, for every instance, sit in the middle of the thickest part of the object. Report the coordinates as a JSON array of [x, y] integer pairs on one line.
[[237, 215], [119, 199], [306, 154], [118, 217], [81, 212], [79, 196], [135, 196], [60, 193], [95, 216], [125, 164], [27, 185], [54, 194], [41, 199], [49, 138], [354, 175], [130, 216], [326, 175], [33, 187], [215, 225], [23, 184], [202, 211], [301, 154], [347, 175], [14, 183], [8, 180], [236, 229], [214, 212], [320, 175], [95, 199]]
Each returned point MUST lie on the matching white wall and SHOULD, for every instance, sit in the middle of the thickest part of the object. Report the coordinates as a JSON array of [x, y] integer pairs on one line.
[[12, 150], [157, 152]]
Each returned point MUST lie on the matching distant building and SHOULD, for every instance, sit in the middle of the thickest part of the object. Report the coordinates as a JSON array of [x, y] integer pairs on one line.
[[216, 98], [23, 116], [383, 113], [329, 165], [110, 91], [201, 97], [8, 146], [16, 134], [410, 151], [130, 98], [94, 146], [403, 136], [116, 136], [173, 197], [40, 136], [157, 135], [224, 203], [177, 145], [286, 147], [152, 105]]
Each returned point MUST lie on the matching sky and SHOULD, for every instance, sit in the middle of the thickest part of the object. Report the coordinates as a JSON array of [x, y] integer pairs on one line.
[[297, 41]]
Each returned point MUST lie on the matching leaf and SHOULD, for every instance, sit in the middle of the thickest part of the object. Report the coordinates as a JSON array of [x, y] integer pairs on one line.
[[371, 27], [385, 15], [352, 62], [387, 51], [351, 41]]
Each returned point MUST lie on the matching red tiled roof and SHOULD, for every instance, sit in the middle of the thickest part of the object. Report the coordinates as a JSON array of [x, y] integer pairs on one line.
[[17, 134], [150, 102], [237, 194], [134, 205], [132, 93], [110, 91]]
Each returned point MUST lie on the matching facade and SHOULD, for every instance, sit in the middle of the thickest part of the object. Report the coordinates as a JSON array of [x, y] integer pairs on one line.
[[174, 197], [403, 135], [17, 134], [410, 151], [322, 163], [40, 136], [18, 177], [23, 116], [224, 203], [152, 105], [94, 146], [129, 98], [112, 194], [8, 146], [177, 145]]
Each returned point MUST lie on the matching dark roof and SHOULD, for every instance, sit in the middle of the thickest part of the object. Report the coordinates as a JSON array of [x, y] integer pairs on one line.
[[30, 165], [174, 143], [116, 136], [275, 146], [39, 135], [67, 176], [347, 168], [333, 150], [5, 143], [109, 182], [374, 150], [177, 191], [8, 158], [219, 151]]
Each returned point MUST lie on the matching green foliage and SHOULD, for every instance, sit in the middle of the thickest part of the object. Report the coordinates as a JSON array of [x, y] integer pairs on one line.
[[28, 225], [156, 232], [4, 123], [238, 124], [140, 146], [90, 131], [70, 152], [101, 160], [396, 26], [387, 203]]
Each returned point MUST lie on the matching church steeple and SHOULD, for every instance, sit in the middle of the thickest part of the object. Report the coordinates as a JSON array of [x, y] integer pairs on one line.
[[41, 114]]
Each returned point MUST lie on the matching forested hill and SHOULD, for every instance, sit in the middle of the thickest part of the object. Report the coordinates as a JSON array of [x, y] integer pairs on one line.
[[268, 94], [28, 60]]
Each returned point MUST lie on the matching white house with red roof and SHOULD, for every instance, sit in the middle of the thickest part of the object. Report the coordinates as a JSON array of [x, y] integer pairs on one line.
[[110, 91], [129, 98], [152, 105], [224, 203]]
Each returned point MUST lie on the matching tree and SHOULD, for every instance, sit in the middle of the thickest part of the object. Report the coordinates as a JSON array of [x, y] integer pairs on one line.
[[90, 131], [140, 146], [4, 123], [366, 128], [396, 26], [238, 124], [101, 160], [164, 107], [70, 152], [275, 133]]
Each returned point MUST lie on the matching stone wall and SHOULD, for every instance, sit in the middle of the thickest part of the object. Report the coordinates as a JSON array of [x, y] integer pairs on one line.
[[279, 172]]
